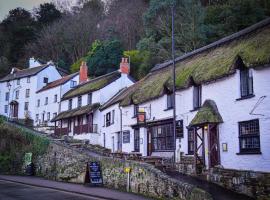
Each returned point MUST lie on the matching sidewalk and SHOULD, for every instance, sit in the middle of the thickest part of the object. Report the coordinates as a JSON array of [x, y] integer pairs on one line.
[[73, 188]]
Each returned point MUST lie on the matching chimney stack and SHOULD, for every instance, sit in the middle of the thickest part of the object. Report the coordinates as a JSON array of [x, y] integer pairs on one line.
[[83, 72], [124, 66]]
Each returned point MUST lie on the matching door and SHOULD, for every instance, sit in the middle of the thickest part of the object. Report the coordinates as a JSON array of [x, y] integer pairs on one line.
[[213, 146], [149, 144]]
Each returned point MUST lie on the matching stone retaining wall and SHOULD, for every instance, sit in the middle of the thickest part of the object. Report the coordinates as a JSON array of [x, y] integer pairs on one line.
[[254, 184], [63, 163]]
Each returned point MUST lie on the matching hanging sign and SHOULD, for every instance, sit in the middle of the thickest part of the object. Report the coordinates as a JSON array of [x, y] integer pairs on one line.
[[141, 116]]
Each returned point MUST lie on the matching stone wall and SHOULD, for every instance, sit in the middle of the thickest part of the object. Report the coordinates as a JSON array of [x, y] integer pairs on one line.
[[186, 165], [63, 163], [254, 184]]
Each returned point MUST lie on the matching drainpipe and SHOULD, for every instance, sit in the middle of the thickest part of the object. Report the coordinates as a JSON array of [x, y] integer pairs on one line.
[[121, 121]]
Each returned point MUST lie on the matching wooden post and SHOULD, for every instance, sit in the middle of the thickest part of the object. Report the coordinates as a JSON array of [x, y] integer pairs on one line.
[[195, 149]]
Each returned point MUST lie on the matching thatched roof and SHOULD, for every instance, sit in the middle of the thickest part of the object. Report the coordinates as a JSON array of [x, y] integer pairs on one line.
[[93, 85], [209, 63], [207, 114], [76, 112]]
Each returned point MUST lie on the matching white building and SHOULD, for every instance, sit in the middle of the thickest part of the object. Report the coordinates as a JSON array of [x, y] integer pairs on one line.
[[79, 116], [18, 89], [222, 107], [48, 100]]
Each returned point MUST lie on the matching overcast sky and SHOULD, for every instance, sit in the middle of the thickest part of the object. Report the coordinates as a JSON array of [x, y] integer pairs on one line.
[[6, 5]]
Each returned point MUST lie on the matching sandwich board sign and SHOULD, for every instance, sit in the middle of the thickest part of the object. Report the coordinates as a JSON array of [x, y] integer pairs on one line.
[[94, 174]]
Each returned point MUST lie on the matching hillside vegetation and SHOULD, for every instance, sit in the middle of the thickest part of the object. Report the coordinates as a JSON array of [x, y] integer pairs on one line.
[[14, 143]]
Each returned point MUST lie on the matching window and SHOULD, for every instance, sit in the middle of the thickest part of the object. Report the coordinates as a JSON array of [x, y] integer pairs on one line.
[[54, 115], [45, 80], [113, 113], [162, 137], [70, 104], [55, 98], [126, 136], [135, 110], [28, 79], [79, 101], [26, 106], [179, 129], [108, 119], [6, 108], [37, 117], [73, 84], [89, 99], [190, 141], [27, 93], [169, 101], [246, 82], [17, 94], [48, 116], [38, 102], [197, 97], [46, 101], [137, 140], [249, 136], [18, 81], [8, 84], [7, 96]]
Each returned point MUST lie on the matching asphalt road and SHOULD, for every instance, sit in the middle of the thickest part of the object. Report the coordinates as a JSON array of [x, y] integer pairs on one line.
[[16, 191]]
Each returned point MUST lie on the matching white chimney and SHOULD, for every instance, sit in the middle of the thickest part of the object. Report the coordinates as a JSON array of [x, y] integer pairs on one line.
[[33, 63]]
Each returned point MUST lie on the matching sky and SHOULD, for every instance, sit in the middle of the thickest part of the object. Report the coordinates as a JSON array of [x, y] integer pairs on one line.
[[6, 5]]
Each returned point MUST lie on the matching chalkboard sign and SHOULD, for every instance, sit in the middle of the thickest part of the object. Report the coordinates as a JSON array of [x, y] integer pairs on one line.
[[126, 137], [95, 174]]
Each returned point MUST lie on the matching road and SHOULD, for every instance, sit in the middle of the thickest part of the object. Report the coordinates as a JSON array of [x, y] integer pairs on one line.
[[16, 191]]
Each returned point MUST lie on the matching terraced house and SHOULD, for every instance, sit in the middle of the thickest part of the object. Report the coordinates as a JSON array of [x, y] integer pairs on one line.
[[79, 116], [222, 109]]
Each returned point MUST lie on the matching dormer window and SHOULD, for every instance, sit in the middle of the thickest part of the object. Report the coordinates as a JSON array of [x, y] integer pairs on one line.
[[197, 97], [45, 80], [73, 84], [246, 82], [169, 101]]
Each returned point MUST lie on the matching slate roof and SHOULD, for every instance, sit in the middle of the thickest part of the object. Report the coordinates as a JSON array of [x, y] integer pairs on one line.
[[93, 85], [76, 112], [58, 82], [217, 60], [207, 114], [24, 73]]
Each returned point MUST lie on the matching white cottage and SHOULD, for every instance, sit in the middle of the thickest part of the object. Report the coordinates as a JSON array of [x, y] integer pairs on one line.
[[79, 116], [48, 100], [18, 89], [222, 107]]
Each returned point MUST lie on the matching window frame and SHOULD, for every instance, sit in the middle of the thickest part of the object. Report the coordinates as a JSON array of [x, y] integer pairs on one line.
[[28, 79], [162, 138], [46, 101], [18, 81], [135, 110], [7, 96], [242, 136], [38, 103], [6, 109], [108, 119], [246, 82], [137, 140], [197, 96], [190, 140], [45, 80], [48, 116], [169, 101], [27, 93], [17, 94], [79, 101], [89, 98], [26, 106], [70, 104], [55, 98]]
